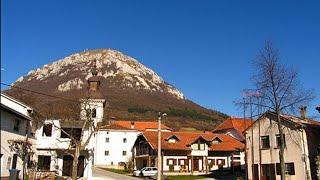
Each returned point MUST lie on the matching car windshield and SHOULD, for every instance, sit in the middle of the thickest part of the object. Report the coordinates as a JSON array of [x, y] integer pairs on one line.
[[143, 169]]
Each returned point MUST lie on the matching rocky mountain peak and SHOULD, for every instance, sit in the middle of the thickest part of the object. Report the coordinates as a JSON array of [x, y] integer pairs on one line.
[[111, 64]]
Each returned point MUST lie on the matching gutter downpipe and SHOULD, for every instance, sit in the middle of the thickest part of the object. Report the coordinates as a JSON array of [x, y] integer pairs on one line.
[[304, 153]]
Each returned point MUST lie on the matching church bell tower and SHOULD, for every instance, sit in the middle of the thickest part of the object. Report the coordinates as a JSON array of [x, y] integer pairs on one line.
[[93, 105]]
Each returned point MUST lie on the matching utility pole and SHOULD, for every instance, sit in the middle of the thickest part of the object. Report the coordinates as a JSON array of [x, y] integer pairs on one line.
[[160, 115]]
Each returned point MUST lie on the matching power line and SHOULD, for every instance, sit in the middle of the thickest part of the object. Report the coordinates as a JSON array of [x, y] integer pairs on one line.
[[36, 92]]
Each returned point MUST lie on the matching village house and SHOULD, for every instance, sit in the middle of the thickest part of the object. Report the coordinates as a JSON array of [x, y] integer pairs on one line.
[[234, 127], [15, 125], [115, 141], [110, 146], [54, 145], [188, 152], [302, 144]]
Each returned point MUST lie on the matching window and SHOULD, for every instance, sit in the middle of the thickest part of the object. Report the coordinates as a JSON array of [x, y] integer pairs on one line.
[[124, 140], [47, 130], [265, 142], [171, 162], [14, 161], [124, 153], [44, 163], [182, 162], [221, 162], [211, 162], [289, 168], [94, 113], [16, 125], [200, 146], [278, 140], [107, 140], [73, 132], [106, 153]]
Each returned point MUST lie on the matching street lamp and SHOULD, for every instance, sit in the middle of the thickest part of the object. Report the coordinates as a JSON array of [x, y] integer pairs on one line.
[[160, 115]]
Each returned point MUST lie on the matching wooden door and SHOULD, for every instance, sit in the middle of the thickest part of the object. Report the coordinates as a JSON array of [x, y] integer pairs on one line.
[[67, 165], [196, 164], [255, 171], [268, 172]]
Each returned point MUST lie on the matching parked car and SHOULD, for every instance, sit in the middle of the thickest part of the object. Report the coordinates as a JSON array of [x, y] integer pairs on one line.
[[146, 171]]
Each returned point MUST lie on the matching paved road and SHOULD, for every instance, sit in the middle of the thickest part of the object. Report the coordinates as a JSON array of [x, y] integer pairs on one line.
[[100, 174]]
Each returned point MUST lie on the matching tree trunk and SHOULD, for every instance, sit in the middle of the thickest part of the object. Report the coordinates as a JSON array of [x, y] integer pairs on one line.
[[281, 151], [75, 162], [23, 168]]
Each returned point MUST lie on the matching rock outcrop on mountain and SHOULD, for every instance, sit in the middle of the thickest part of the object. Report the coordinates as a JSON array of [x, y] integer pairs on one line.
[[132, 91]]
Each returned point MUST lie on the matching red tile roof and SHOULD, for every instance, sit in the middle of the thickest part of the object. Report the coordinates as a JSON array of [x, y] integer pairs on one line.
[[228, 144], [187, 138], [239, 124], [138, 125]]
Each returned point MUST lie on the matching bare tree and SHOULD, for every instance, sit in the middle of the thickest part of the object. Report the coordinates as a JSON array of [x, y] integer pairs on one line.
[[279, 89], [77, 126], [23, 149], [80, 139]]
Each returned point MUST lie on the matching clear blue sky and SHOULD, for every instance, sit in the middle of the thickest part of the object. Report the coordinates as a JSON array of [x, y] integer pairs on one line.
[[204, 48]]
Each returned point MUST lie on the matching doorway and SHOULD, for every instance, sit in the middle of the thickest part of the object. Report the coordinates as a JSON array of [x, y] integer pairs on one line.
[[67, 166], [268, 172], [195, 164]]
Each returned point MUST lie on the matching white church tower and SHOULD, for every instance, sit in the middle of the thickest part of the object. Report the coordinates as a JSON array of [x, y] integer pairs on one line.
[[92, 107]]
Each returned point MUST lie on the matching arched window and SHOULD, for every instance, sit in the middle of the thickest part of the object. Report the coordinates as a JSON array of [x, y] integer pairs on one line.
[[94, 113]]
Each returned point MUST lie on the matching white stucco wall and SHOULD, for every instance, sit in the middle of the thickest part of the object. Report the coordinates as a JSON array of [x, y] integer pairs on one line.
[[115, 146], [196, 152], [97, 104], [294, 151]]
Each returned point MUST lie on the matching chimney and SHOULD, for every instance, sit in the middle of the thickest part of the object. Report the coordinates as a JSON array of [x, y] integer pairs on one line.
[[303, 111], [132, 125]]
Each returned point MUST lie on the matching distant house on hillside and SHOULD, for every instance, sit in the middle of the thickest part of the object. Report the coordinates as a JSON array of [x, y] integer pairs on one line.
[[234, 127], [116, 140], [188, 152], [302, 143], [15, 125]]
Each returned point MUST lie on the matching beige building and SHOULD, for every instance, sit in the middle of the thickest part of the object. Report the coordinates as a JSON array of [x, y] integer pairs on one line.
[[301, 147], [15, 125]]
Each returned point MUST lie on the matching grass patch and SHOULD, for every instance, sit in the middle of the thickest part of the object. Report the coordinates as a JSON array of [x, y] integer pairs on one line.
[[185, 177], [118, 171]]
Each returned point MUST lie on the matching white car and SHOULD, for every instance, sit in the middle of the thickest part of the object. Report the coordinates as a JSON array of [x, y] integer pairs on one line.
[[146, 171]]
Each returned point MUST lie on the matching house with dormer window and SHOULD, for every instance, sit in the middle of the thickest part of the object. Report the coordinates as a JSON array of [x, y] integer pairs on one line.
[[187, 152]]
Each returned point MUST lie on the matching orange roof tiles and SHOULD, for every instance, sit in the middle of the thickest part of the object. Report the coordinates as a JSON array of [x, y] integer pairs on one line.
[[187, 138], [238, 124], [138, 125]]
